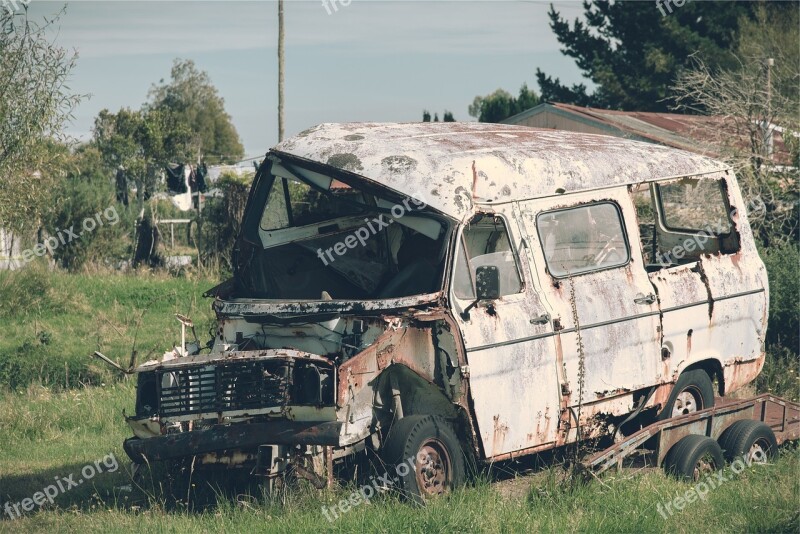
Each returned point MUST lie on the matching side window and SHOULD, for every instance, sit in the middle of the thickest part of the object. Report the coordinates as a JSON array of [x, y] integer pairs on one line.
[[646, 215], [581, 239], [682, 220], [694, 205], [276, 216], [485, 242]]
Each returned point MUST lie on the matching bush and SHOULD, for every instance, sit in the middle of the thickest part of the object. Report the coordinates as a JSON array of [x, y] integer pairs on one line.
[[86, 193], [780, 373], [221, 222], [783, 269]]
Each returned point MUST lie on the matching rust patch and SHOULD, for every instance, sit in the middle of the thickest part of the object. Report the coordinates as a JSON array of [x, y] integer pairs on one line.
[[689, 343], [707, 284], [384, 356], [499, 435]]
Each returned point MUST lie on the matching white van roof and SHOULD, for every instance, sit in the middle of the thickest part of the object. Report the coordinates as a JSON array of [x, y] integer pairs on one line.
[[453, 166]]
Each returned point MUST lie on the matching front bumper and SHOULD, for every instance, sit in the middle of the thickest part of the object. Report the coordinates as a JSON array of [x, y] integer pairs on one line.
[[235, 436]]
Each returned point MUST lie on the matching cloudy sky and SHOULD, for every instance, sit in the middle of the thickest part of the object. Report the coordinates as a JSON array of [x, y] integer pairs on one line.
[[372, 60]]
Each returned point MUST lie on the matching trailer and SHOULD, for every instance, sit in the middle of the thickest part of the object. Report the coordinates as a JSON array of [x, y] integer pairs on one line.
[[691, 445]]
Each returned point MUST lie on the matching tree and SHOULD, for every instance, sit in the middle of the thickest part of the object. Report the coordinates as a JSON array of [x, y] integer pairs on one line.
[[750, 100], [633, 53], [140, 143], [501, 105], [191, 100], [446, 117], [35, 102]]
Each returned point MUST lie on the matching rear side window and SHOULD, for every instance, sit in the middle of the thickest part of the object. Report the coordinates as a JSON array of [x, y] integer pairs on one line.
[[582, 239], [694, 205]]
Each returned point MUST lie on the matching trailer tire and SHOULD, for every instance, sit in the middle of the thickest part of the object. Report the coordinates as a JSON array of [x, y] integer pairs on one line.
[[692, 392], [752, 441], [438, 459], [693, 456]]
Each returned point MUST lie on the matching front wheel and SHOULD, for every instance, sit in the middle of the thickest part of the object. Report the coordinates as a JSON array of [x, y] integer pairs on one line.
[[692, 392], [425, 455]]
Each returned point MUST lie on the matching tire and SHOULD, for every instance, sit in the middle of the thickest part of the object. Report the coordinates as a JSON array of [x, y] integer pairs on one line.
[[749, 440], [692, 457], [694, 386], [430, 445]]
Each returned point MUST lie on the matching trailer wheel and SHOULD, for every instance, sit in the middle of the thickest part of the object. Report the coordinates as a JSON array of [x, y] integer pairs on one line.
[[692, 392], [752, 441], [425, 457], [693, 457]]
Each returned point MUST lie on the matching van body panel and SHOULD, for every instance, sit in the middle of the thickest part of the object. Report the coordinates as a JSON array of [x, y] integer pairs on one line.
[[513, 381], [619, 337], [716, 307]]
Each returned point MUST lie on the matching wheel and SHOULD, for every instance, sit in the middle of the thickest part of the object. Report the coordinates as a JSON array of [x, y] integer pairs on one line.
[[425, 455], [751, 441], [693, 457], [693, 391]]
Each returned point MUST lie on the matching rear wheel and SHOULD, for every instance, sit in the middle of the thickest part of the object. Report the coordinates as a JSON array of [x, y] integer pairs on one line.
[[426, 456], [693, 457], [749, 440], [692, 392]]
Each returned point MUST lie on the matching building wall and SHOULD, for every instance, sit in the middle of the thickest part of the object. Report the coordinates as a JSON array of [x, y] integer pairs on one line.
[[10, 253]]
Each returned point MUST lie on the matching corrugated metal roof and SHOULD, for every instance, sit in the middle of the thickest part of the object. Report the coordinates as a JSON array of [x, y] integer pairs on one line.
[[696, 133], [453, 166]]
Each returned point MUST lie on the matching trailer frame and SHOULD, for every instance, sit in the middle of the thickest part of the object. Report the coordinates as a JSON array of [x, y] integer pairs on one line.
[[781, 415]]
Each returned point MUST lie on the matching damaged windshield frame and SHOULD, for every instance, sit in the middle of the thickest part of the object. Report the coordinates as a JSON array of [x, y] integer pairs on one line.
[[389, 263]]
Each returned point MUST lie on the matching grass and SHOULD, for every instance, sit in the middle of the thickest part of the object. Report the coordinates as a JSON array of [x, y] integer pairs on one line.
[[53, 322], [60, 411], [46, 434]]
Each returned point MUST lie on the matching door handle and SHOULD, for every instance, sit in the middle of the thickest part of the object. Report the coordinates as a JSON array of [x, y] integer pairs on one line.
[[542, 319], [647, 299]]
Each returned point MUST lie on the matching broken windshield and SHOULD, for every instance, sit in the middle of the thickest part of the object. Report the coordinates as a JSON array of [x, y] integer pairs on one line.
[[309, 236]]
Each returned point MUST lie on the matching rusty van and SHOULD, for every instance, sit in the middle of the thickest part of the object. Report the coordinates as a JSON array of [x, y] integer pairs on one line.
[[461, 292]]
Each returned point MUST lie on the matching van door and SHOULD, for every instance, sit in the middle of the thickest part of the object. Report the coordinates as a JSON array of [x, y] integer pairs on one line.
[[711, 283], [508, 340], [605, 311]]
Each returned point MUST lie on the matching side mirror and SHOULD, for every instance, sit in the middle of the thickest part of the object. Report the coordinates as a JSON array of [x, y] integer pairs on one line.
[[487, 282]]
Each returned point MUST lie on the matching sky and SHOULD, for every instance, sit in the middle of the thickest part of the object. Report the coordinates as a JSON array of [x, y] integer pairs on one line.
[[362, 60]]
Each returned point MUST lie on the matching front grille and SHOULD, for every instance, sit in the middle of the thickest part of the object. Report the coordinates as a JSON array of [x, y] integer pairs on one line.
[[232, 386]]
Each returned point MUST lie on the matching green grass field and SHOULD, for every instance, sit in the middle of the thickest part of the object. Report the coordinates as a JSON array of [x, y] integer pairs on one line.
[[50, 432]]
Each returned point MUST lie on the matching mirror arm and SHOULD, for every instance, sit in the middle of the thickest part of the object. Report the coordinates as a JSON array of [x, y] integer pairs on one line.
[[465, 314]]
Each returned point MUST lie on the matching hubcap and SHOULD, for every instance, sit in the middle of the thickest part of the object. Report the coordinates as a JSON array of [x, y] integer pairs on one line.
[[757, 453], [687, 401], [705, 465], [433, 468]]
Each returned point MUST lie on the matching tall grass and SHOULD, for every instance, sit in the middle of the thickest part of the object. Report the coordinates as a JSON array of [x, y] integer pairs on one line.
[[53, 322]]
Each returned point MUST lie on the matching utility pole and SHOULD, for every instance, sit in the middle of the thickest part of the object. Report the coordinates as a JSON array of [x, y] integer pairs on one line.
[[280, 70]]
